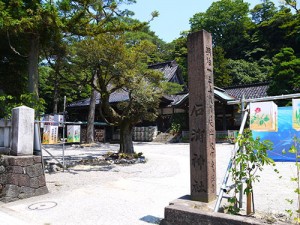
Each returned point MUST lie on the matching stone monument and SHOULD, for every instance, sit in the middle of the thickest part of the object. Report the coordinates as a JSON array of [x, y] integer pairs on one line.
[[197, 208], [21, 173], [22, 131], [201, 117]]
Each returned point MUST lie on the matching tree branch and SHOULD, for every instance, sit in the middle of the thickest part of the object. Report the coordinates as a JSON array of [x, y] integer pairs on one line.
[[12, 48]]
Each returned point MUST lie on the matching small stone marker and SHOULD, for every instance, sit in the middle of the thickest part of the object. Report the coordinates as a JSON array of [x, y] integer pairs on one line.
[[201, 117], [22, 131]]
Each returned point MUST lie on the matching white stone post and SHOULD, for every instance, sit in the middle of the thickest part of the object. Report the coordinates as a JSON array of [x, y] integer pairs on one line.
[[22, 131]]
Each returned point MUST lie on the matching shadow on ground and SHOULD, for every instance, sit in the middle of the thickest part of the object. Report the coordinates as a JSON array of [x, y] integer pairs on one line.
[[151, 219]]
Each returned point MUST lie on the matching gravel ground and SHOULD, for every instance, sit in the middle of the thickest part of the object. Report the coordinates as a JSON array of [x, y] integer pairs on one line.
[[134, 194]]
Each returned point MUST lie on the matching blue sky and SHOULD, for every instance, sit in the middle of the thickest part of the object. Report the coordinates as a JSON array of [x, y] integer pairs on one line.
[[174, 15]]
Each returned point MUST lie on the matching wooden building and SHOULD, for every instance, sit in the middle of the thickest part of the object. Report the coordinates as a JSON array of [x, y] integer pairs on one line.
[[174, 108]]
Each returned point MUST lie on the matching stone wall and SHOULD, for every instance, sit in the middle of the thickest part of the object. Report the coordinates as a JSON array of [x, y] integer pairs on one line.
[[21, 177]]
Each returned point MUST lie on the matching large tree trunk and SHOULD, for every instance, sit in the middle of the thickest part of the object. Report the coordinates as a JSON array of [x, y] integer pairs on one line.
[[91, 118], [55, 97], [126, 145], [33, 61]]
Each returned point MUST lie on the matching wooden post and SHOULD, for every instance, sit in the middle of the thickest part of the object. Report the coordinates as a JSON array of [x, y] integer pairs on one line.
[[201, 117], [249, 203]]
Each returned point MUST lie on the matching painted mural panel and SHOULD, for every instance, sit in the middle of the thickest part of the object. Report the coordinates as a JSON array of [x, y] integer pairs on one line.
[[73, 133], [283, 138], [296, 114], [50, 134], [263, 116]]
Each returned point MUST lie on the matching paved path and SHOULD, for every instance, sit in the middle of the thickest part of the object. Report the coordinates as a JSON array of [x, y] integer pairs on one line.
[[129, 195]]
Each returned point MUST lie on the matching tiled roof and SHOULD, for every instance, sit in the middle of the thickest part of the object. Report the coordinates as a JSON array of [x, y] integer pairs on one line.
[[167, 68], [249, 91], [176, 99], [221, 95], [83, 102], [118, 96], [218, 93]]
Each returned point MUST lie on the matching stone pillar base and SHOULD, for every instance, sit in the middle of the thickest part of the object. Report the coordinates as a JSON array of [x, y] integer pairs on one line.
[[21, 177], [186, 212]]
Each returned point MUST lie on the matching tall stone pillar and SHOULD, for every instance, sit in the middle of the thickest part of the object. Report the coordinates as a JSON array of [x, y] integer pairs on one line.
[[22, 131], [201, 117]]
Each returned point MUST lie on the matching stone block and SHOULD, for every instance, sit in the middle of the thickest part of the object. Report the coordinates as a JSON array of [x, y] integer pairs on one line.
[[9, 160], [11, 191], [37, 159], [15, 169], [21, 177], [34, 182], [3, 178], [183, 215], [5, 160], [22, 131], [18, 160], [26, 192], [2, 169], [41, 191], [34, 170], [13, 179], [42, 180], [8, 199], [23, 160], [29, 192], [24, 180]]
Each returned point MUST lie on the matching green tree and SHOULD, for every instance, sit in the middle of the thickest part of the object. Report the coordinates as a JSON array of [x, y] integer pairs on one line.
[[263, 12], [98, 17], [275, 29], [36, 22], [163, 50], [85, 19], [292, 4], [12, 67], [285, 78], [179, 53], [244, 72], [222, 76], [55, 85], [120, 68], [226, 20]]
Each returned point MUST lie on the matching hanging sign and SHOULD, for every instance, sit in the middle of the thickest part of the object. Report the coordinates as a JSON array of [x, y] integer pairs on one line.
[[73, 133], [58, 119], [263, 116], [50, 134], [296, 114]]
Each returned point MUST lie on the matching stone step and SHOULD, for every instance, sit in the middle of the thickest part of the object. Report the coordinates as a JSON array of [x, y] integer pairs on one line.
[[164, 137]]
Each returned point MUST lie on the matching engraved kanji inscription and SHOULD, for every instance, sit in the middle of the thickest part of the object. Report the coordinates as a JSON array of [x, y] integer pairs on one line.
[[208, 56], [212, 149], [198, 161], [197, 110], [198, 186], [197, 135]]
